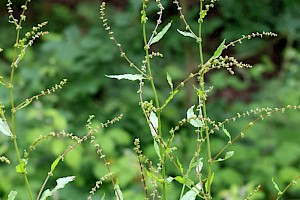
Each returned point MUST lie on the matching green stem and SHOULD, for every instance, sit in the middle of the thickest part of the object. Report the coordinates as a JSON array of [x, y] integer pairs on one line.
[[146, 47], [14, 136], [203, 105]]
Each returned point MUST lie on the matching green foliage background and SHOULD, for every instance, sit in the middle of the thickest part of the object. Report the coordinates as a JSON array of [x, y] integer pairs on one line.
[[78, 49]]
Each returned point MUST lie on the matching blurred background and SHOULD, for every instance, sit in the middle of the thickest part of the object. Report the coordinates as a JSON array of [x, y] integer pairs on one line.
[[78, 49]]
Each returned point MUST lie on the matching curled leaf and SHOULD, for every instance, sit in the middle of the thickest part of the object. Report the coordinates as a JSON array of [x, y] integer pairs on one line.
[[186, 34], [131, 77], [192, 118]]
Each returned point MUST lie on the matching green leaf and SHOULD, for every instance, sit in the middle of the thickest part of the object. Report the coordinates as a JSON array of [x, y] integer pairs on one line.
[[60, 183], [192, 194], [169, 78], [211, 180], [183, 180], [131, 77], [118, 192], [21, 168], [169, 98], [55, 163], [149, 174], [192, 118], [227, 133], [276, 186], [203, 13], [156, 147], [227, 155], [103, 197], [219, 50], [179, 165], [12, 195], [4, 128], [161, 33], [186, 34]]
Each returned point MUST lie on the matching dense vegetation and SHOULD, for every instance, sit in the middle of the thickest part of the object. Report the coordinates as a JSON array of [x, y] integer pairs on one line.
[[79, 49]]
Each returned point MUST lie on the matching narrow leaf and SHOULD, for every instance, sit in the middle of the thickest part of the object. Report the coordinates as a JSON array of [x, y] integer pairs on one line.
[[156, 147], [161, 33], [219, 50], [169, 78], [276, 186], [211, 180], [55, 163], [131, 77], [118, 192], [103, 197], [179, 165], [12, 195], [199, 166], [186, 34], [154, 123], [4, 129], [60, 183], [226, 133], [149, 174], [192, 194], [227, 155]]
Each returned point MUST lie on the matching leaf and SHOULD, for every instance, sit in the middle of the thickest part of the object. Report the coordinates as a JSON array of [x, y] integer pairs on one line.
[[60, 183], [192, 118], [103, 197], [12, 195], [169, 179], [156, 147], [179, 165], [4, 128], [203, 13], [185, 181], [131, 77], [276, 186], [118, 192], [169, 98], [219, 50], [21, 168], [161, 33], [211, 180], [227, 155], [186, 34], [227, 133], [55, 163], [149, 174], [192, 194], [154, 123], [169, 78], [199, 166]]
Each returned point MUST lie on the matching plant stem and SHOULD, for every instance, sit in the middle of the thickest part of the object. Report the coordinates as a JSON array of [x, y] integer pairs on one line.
[[146, 47], [14, 137], [203, 105]]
